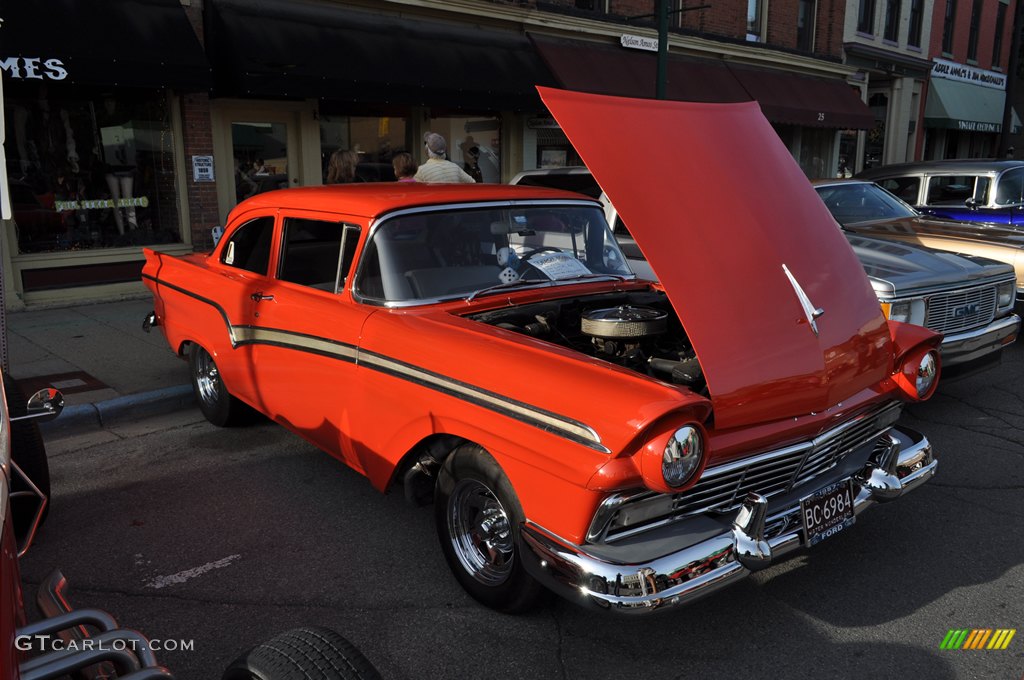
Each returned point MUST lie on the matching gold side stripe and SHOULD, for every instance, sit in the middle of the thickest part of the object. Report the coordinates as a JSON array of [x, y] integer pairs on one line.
[[580, 431], [244, 334]]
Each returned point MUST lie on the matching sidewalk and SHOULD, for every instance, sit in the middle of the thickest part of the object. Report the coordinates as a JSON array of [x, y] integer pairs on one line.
[[108, 368]]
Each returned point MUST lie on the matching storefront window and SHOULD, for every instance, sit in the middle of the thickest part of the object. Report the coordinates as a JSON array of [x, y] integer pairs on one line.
[[90, 171], [374, 138], [816, 148], [473, 143]]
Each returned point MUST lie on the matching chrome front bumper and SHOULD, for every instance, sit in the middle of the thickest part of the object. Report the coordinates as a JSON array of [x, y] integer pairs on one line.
[[960, 348], [721, 558]]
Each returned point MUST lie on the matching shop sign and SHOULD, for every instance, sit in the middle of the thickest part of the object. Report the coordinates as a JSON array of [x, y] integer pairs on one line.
[[202, 168], [950, 70], [102, 204], [975, 126], [639, 42], [34, 68], [542, 123]]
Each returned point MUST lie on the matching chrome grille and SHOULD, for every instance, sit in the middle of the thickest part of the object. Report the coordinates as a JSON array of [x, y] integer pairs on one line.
[[961, 310], [723, 487]]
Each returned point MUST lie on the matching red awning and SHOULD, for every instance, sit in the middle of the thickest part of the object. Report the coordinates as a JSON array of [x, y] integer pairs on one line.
[[784, 97], [803, 100]]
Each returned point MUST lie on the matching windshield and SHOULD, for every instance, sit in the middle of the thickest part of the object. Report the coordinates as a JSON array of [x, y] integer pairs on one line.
[[853, 203], [456, 252]]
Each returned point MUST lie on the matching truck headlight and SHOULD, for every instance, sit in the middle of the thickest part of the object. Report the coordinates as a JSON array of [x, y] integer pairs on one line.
[[913, 310], [897, 311], [1006, 294], [682, 456]]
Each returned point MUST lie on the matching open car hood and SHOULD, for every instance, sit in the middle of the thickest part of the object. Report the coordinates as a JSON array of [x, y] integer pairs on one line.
[[743, 246]]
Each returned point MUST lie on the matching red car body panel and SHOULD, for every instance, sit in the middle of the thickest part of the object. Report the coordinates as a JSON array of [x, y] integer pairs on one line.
[[721, 265]]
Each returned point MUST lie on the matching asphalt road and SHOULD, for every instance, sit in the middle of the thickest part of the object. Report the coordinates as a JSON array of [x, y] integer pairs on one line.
[[225, 537]]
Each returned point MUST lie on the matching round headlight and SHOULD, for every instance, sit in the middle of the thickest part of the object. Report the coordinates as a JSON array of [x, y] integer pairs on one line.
[[927, 371], [682, 456]]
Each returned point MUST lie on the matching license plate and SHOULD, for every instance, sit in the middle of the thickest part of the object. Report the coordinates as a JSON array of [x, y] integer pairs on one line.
[[827, 512]]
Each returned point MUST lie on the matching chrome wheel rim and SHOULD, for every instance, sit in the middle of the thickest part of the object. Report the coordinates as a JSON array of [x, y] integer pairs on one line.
[[207, 378], [480, 532]]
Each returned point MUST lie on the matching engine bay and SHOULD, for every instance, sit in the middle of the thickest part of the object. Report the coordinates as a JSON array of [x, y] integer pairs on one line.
[[636, 330]]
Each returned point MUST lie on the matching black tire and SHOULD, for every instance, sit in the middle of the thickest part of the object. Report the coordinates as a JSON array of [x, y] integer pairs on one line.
[[29, 452], [474, 496], [310, 653], [217, 404]]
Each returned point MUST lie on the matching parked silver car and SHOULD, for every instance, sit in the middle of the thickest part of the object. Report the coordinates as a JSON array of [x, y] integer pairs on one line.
[[969, 299]]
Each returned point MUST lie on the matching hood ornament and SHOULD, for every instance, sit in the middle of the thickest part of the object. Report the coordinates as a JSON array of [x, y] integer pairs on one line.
[[809, 309]]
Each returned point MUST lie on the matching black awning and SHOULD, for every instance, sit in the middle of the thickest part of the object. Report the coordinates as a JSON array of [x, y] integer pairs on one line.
[[110, 43], [277, 48], [784, 97]]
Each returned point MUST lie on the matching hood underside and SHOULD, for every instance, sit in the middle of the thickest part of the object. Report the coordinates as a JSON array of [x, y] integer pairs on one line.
[[745, 249]]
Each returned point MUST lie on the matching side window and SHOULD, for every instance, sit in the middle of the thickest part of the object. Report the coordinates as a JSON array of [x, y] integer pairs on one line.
[[312, 250], [955, 189], [249, 246], [1011, 188]]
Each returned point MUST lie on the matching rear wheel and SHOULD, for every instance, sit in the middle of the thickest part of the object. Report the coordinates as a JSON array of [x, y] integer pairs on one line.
[[478, 518], [29, 453], [303, 654], [216, 403]]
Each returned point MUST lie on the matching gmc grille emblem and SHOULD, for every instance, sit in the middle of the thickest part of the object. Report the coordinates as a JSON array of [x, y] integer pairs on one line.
[[965, 310]]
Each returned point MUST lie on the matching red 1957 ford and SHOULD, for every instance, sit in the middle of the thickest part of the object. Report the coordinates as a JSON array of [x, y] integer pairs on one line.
[[628, 445]]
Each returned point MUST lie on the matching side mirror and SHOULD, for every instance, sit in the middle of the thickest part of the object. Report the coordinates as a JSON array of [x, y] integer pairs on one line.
[[971, 203], [45, 405]]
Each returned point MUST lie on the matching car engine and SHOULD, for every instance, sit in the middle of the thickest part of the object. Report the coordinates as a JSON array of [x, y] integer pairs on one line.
[[639, 331]]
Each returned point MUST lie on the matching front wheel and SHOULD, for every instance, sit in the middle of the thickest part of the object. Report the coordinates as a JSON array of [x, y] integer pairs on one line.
[[217, 404], [311, 653], [478, 518]]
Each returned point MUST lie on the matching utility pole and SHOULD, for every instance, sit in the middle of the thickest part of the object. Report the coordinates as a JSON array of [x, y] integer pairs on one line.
[[661, 13], [1011, 79], [662, 7]]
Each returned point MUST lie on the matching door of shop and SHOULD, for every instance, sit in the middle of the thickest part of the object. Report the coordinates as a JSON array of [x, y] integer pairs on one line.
[[260, 147]]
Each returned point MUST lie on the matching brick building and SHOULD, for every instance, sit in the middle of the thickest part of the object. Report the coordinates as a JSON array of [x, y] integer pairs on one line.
[[964, 98], [225, 98]]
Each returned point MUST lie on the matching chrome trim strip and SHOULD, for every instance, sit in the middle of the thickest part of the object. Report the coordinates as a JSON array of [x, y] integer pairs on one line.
[[252, 335], [544, 420], [556, 424]]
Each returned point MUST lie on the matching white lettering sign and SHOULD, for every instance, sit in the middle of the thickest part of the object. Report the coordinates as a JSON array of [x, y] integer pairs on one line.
[[638, 42], [950, 70], [202, 168], [34, 68]]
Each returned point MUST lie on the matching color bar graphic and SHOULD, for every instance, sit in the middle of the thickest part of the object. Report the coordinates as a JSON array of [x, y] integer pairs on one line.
[[978, 638]]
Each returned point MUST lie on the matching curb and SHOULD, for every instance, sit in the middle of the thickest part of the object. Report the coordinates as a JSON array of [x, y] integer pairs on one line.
[[127, 408]]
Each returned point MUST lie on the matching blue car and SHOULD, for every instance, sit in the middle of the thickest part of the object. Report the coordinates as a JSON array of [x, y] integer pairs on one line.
[[989, 191]]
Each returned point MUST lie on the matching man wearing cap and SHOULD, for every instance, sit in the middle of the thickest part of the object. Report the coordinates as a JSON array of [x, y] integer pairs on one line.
[[436, 168]]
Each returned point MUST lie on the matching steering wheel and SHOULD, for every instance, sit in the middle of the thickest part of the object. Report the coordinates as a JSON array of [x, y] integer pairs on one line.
[[524, 259]]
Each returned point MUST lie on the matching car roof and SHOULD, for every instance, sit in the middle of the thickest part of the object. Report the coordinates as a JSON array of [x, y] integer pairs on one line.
[[971, 165], [834, 182], [369, 199]]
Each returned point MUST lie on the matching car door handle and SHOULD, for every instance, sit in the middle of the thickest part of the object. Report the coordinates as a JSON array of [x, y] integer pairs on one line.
[[258, 296]]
